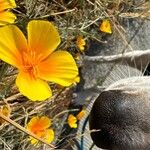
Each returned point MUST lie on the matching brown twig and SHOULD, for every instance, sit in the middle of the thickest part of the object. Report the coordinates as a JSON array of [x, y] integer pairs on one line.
[[58, 13]]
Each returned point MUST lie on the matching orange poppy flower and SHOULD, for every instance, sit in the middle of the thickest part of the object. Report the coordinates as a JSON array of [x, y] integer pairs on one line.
[[106, 26], [39, 126], [72, 121], [36, 59], [81, 114], [5, 15], [80, 42]]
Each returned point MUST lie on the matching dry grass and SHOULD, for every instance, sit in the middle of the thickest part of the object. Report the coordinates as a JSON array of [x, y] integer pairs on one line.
[[73, 18]]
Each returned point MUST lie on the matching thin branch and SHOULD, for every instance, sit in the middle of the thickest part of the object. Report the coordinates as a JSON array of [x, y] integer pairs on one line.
[[58, 13], [84, 27], [9, 148]]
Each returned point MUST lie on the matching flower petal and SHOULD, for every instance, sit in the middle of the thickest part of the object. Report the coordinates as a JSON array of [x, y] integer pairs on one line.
[[106, 26], [39, 134], [43, 37], [37, 124], [49, 135], [72, 121], [80, 43], [34, 89], [33, 140], [32, 122], [81, 114], [12, 44], [45, 121], [6, 17], [5, 110], [59, 67], [6, 4], [77, 79]]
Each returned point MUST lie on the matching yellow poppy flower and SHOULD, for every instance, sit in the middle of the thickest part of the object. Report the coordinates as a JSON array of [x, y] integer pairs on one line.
[[36, 59], [81, 114], [72, 121], [80, 42], [106, 26], [5, 15], [39, 126]]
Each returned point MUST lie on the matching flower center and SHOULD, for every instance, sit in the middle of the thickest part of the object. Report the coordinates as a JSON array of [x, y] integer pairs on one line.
[[31, 69], [30, 62]]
